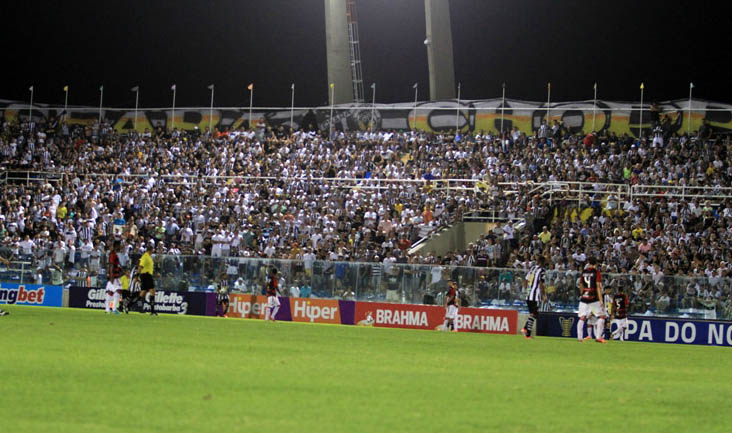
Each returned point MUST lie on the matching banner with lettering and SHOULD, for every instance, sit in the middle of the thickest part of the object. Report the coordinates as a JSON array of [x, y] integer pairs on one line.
[[652, 330], [488, 115]]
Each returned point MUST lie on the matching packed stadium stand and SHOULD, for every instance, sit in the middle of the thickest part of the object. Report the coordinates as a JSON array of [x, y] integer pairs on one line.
[[343, 214]]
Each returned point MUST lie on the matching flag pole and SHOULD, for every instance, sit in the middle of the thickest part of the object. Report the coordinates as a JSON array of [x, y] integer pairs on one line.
[[688, 126], [640, 120], [101, 100], [548, 101], [210, 112], [373, 103], [415, 87], [292, 107], [332, 98], [503, 105], [457, 112], [30, 106], [251, 101], [136, 89], [594, 108], [66, 102], [173, 88]]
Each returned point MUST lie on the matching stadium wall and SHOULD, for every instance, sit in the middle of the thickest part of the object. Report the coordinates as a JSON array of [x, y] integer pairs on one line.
[[455, 238], [652, 330], [191, 303], [377, 314], [333, 311], [31, 294], [437, 116]]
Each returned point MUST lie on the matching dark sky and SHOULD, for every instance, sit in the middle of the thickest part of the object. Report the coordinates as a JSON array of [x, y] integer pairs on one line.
[[193, 43]]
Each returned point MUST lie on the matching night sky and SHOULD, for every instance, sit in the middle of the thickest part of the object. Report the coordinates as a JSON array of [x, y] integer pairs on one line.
[[272, 43]]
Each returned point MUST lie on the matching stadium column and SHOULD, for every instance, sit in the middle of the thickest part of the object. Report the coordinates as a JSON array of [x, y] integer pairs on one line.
[[338, 53], [439, 49]]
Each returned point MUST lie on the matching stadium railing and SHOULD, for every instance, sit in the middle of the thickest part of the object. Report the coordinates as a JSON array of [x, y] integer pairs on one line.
[[571, 190]]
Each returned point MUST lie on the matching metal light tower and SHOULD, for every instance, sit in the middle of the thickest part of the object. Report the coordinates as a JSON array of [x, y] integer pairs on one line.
[[344, 54], [439, 49], [343, 51]]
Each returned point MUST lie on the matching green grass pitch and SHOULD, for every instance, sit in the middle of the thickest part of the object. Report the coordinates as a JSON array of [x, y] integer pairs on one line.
[[66, 370]]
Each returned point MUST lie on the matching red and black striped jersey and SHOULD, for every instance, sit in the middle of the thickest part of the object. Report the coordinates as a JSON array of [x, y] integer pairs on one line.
[[589, 280], [620, 306], [114, 267], [272, 286], [451, 295]]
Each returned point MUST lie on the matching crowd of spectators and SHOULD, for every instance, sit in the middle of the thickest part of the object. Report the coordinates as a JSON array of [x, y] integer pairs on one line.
[[257, 193]]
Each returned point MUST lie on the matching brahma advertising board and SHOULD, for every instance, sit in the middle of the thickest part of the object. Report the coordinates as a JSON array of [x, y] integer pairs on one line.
[[653, 330], [374, 314], [432, 317], [194, 303], [31, 294]]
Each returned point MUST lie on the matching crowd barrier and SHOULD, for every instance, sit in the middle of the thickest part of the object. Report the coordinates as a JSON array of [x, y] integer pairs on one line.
[[377, 314], [333, 311], [191, 303], [645, 329], [31, 294]]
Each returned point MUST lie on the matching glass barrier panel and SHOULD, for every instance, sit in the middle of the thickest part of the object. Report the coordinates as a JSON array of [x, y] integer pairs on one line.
[[706, 297]]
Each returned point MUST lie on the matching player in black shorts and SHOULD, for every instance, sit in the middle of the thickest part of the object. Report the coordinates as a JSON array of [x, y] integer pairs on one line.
[[535, 288], [222, 296], [147, 284]]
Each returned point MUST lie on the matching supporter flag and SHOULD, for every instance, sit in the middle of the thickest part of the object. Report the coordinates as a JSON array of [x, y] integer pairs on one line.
[[250, 86]]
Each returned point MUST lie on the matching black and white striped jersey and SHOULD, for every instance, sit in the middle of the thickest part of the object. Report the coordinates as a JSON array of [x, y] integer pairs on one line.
[[134, 283], [534, 280]]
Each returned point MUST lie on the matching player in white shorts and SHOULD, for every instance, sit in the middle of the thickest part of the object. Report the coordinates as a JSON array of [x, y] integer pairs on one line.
[[620, 314], [273, 303], [113, 290], [591, 301], [451, 307]]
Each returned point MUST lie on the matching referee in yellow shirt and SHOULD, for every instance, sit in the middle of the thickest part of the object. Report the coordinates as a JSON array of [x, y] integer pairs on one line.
[[147, 284]]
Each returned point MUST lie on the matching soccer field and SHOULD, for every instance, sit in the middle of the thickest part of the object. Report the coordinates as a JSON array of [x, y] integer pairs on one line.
[[66, 370]]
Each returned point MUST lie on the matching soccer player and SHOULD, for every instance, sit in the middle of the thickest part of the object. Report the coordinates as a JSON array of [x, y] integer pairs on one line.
[[222, 297], [451, 308], [620, 314], [3, 312], [591, 300], [131, 295], [147, 284], [273, 304], [535, 287], [114, 287]]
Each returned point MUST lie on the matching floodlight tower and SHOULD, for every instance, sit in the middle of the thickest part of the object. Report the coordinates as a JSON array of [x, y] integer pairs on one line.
[[344, 54], [439, 49], [343, 51]]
